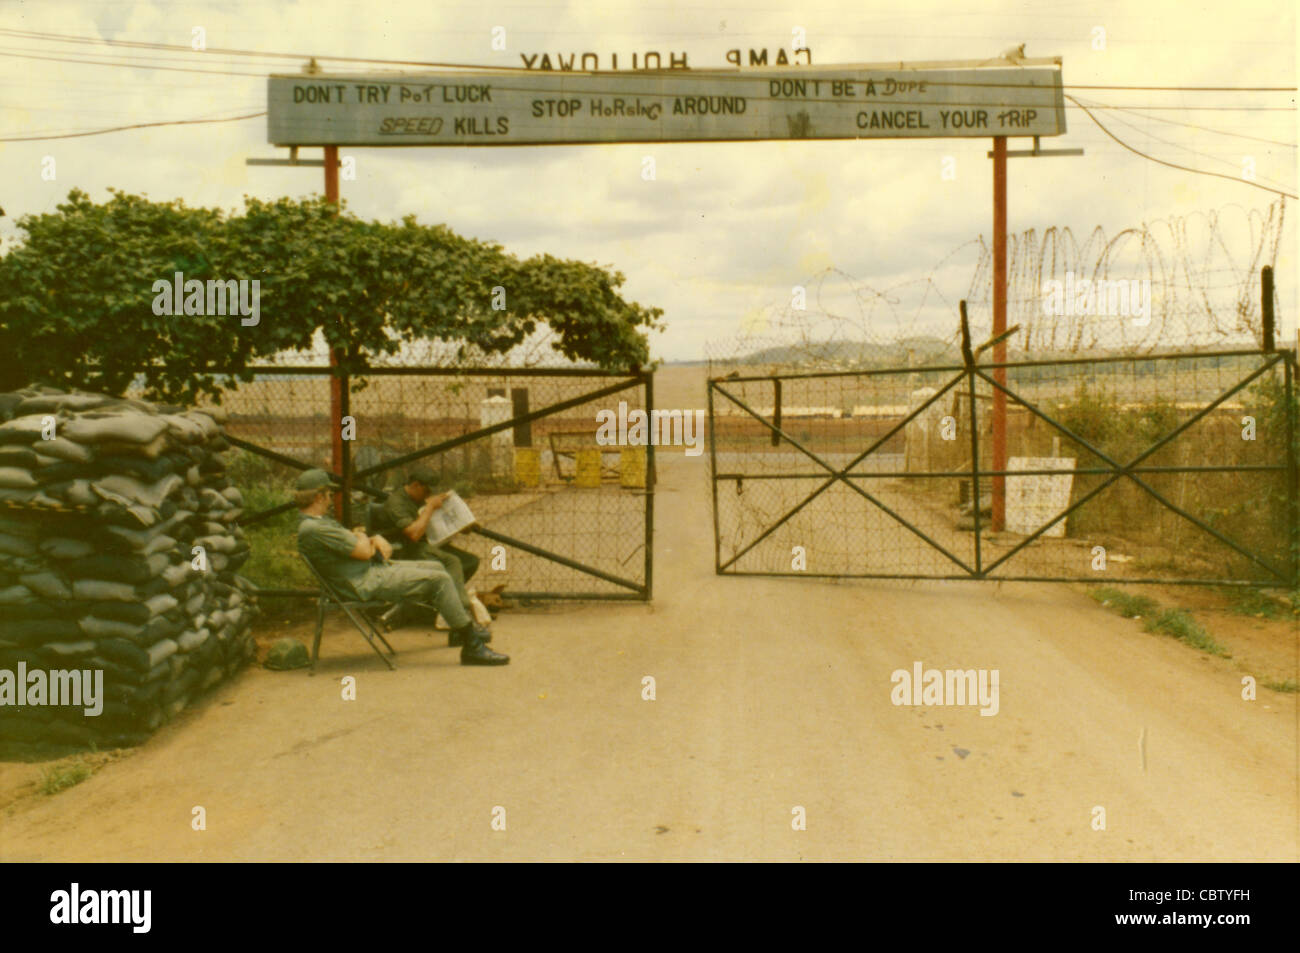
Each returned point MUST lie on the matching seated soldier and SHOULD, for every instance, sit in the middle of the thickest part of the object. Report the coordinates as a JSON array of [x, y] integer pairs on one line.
[[406, 514], [344, 559]]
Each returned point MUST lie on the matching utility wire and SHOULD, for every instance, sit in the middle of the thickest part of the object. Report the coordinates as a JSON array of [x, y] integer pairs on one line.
[[138, 125], [1174, 165], [181, 48]]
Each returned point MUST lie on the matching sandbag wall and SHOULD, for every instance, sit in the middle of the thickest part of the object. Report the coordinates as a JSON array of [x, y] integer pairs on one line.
[[102, 503]]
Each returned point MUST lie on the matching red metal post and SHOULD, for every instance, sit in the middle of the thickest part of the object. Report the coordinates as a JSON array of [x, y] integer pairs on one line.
[[999, 325], [336, 383]]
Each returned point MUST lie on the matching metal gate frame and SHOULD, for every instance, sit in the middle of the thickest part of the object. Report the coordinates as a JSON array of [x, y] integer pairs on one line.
[[969, 372], [351, 480]]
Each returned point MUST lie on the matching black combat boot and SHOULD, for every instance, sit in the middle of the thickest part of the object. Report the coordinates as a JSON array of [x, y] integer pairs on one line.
[[476, 652], [456, 637]]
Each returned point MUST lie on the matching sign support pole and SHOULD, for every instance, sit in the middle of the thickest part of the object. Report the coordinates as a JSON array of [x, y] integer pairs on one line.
[[338, 410], [999, 326]]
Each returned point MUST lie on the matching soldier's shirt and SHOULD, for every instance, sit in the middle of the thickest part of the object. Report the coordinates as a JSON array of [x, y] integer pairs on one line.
[[328, 545], [399, 512]]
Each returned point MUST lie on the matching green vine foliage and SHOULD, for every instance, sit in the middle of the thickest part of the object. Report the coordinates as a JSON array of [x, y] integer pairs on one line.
[[76, 297]]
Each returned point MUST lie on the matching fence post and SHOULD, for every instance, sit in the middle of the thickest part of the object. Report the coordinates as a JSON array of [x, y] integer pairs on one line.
[[345, 447], [776, 410], [651, 479], [1266, 304], [969, 358], [1293, 513]]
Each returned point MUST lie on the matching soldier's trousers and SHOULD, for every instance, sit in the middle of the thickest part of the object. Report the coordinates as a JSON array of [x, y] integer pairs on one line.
[[459, 564], [415, 581]]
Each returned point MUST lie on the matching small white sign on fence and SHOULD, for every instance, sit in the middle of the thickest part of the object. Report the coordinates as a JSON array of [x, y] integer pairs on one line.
[[1033, 500]]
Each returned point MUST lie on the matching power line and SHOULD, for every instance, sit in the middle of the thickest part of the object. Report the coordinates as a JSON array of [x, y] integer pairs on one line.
[[128, 65], [1176, 145], [1189, 125], [138, 125], [181, 48], [1174, 165]]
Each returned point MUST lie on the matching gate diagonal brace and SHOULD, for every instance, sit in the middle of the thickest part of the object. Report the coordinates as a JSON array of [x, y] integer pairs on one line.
[[498, 427], [841, 475], [1122, 470]]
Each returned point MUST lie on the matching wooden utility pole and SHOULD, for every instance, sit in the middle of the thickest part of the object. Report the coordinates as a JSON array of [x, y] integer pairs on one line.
[[339, 455]]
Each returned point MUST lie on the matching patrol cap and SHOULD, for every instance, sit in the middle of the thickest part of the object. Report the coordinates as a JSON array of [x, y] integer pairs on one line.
[[312, 480], [422, 475]]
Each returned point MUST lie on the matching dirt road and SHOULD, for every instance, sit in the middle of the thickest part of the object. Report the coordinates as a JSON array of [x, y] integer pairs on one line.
[[770, 695]]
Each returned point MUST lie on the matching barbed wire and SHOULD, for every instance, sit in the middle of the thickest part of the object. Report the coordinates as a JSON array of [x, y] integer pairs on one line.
[[1179, 282]]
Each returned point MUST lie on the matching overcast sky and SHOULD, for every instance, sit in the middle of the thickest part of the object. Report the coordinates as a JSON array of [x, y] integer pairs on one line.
[[726, 229]]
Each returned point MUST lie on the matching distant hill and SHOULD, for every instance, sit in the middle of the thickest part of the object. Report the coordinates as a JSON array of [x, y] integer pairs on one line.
[[908, 351]]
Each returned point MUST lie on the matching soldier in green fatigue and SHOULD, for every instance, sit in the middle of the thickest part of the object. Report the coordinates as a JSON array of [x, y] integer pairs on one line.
[[406, 514], [344, 559]]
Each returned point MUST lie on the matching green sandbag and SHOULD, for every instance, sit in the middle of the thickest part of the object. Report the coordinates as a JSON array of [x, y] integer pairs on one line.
[[47, 584], [16, 596], [56, 474], [21, 564], [33, 610], [61, 547], [79, 493], [138, 491], [132, 516], [18, 455], [16, 545], [64, 449], [158, 628], [124, 653], [17, 523], [141, 469], [9, 659], [122, 611], [191, 641], [25, 429], [130, 428], [61, 654], [74, 402], [16, 478], [98, 628], [129, 569], [103, 590], [152, 450], [29, 632]]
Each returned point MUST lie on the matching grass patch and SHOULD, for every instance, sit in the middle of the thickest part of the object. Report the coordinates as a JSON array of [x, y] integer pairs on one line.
[[1176, 623], [1179, 624], [1127, 604], [273, 562], [1255, 602], [64, 776], [1288, 686]]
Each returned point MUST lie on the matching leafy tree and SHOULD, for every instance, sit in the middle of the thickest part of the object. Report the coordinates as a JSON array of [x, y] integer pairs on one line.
[[76, 298]]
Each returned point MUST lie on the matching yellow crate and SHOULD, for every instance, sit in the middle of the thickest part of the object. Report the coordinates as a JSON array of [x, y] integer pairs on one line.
[[528, 466], [588, 468], [631, 466]]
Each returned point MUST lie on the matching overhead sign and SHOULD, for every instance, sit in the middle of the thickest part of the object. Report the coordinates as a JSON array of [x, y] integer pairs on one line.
[[540, 108]]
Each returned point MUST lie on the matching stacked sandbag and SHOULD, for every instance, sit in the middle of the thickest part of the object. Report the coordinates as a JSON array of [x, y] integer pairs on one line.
[[103, 502]]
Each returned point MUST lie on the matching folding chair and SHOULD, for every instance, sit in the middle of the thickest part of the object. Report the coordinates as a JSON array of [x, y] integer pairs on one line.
[[355, 609]]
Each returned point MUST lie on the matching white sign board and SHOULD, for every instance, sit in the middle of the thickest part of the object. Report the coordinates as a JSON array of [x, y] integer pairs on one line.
[[532, 108], [1033, 500]]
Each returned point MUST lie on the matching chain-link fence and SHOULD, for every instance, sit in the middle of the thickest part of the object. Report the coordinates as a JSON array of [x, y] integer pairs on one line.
[[1175, 468], [560, 515]]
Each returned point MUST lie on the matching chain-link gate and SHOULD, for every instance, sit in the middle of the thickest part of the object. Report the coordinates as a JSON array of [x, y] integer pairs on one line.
[[1175, 468], [559, 515]]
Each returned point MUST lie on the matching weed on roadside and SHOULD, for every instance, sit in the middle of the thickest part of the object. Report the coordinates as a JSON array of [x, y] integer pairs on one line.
[[1180, 625]]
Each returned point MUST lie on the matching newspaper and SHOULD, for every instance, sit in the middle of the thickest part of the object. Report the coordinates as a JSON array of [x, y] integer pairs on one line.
[[449, 519]]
